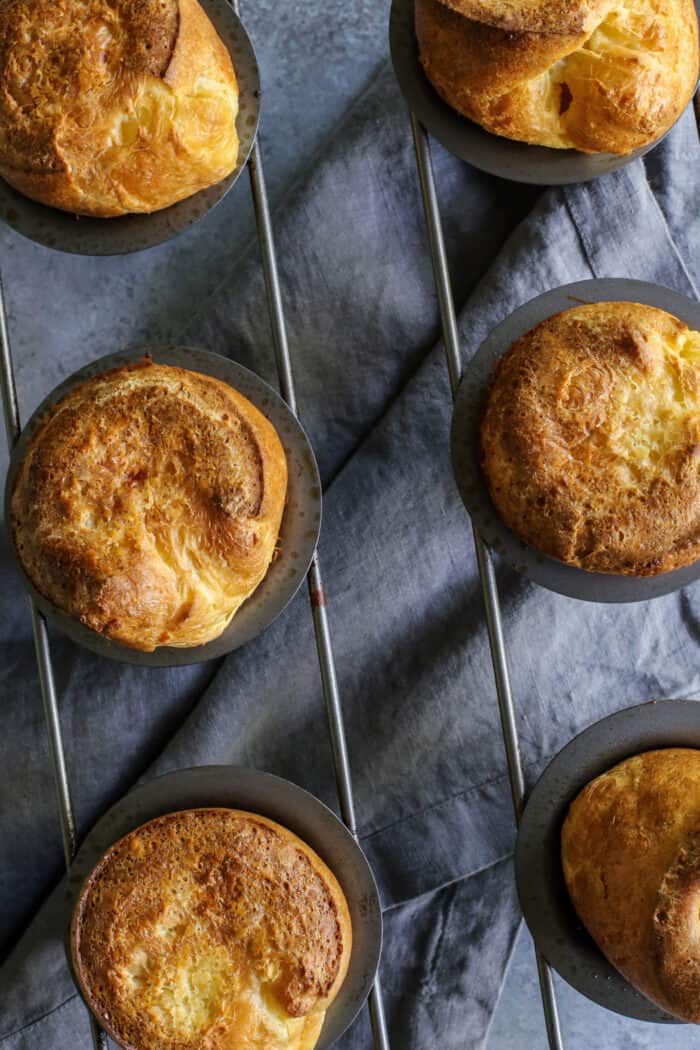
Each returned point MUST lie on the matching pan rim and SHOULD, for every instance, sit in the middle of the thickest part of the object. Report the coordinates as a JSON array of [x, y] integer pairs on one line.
[[301, 521], [135, 232], [493, 154], [556, 576], [547, 909], [311, 820]]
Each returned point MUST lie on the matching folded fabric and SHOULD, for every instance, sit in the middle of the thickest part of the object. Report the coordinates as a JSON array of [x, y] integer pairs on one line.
[[406, 612]]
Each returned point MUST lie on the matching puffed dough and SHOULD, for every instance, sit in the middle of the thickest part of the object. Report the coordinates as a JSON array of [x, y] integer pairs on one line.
[[148, 504], [590, 439], [601, 77], [631, 857], [114, 106], [212, 929]]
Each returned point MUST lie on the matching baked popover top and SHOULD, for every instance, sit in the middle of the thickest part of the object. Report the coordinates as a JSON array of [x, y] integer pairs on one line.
[[602, 76], [631, 858], [591, 439], [148, 504], [114, 106], [211, 929]]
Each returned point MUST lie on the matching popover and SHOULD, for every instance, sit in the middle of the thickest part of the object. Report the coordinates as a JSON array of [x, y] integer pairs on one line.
[[211, 929], [631, 858], [114, 106], [590, 439], [148, 504], [604, 76]]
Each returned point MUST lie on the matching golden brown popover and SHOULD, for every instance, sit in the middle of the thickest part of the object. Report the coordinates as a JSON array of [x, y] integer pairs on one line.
[[604, 76], [590, 439], [148, 504], [631, 857], [211, 929], [114, 106]]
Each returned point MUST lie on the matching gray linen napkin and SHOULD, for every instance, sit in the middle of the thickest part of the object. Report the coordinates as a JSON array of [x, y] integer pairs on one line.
[[406, 611]]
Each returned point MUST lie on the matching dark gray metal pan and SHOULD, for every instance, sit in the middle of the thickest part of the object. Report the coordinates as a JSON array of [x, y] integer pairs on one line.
[[82, 235], [548, 911], [554, 575], [234, 787], [498, 156], [300, 525]]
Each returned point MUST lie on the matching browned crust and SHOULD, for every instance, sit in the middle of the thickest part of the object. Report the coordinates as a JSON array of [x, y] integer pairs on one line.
[[590, 439], [631, 858], [101, 104], [148, 504], [676, 930], [534, 16], [256, 893], [613, 86]]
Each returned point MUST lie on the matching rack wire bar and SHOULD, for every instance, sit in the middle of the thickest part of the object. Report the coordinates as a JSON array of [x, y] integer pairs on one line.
[[317, 595], [487, 572], [41, 644]]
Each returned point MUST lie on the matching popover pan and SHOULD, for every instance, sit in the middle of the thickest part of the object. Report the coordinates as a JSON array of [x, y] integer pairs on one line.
[[469, 405], [233, 787], [491, 153], [299, 531], [548, 911], [83, 235]]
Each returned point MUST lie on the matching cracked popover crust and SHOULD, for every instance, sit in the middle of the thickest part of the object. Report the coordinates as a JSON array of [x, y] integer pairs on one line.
[[600, 76], [631, 857], [211, 929], [114, 106], [148, 504], [590, 439]]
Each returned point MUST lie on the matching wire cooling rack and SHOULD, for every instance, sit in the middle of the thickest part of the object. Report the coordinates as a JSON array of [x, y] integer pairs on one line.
[[317, 595], [484, 558]]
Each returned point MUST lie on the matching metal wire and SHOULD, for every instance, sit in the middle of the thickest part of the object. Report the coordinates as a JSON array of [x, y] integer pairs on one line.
[[7, 378], [317, 594], [41, 642], [487, 573]]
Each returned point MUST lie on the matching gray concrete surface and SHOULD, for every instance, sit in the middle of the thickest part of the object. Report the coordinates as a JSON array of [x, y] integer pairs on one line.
[[518, 1023]]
